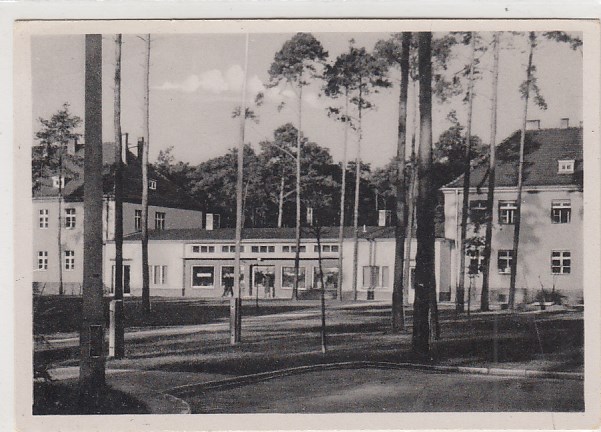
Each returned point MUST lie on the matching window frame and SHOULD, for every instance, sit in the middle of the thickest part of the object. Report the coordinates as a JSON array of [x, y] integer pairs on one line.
[[138, 220], [564, 255], [302, 277], [477, 211], [192, 271], [42, 260], [70, 218], [509, 206], [44, 218], [69, 263], [159, 220], [561, 207], [566, 166], [508, 258]]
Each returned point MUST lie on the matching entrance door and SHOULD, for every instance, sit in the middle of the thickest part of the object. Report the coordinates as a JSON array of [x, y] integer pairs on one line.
[[126, 286], [264, 281]]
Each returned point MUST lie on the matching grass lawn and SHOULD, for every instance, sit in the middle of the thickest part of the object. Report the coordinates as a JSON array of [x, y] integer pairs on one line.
[[50, 398]]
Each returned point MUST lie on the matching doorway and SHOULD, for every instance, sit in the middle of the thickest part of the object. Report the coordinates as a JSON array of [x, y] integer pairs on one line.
[[264, 281]]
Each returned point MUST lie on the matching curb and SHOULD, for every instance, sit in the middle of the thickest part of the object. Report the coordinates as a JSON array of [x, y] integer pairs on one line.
[[156, 402], [192, 389]]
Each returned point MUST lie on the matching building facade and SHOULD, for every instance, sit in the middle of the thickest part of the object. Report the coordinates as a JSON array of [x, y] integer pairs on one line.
[[200, 263], [550, 253]]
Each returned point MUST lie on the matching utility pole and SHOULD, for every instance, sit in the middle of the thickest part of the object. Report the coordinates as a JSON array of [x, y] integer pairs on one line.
[[236, 302], [92, 368], [144, 218], [357, 195], [298, 191], [117, 336]]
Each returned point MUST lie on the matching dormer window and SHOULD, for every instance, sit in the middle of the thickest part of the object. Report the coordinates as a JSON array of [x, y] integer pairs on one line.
[[565, 166], [55, 182], [152, 184]]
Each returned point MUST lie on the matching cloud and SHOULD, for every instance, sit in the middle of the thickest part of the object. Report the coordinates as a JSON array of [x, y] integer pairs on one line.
[[214, 81]]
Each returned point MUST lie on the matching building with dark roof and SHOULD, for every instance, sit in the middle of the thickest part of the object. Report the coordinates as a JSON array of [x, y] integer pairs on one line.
[[550, 254], [169, 208]]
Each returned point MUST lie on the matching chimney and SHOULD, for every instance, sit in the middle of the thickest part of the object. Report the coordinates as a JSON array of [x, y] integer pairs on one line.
[[140, 148], [532, 124], [564, 123], [209, 222], [124, 146], [384, 218]]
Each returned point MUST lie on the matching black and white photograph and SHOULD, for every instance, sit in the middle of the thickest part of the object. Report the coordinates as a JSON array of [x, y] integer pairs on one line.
[[376, 217]]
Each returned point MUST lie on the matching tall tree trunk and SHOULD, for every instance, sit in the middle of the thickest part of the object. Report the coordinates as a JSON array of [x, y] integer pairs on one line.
[[281, 202], [92, 355], [518, 211], [145, 269], [236, 310], [490, 198], [324, 345], [398, 312], [61, 288], [298, 192], [118, 191], [459, 306], [342, 199], [357, 195], [424, 270]]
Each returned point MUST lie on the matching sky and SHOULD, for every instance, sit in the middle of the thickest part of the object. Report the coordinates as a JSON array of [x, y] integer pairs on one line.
[[196, 82]]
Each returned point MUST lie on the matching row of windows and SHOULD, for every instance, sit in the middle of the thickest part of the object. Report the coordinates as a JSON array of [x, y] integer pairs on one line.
[[261, 248], [561, 211], [70, 218], [68, 260], [159, 220], [561, 262]]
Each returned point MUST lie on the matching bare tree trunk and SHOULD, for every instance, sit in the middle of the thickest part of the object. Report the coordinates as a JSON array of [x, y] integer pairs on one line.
[[342, 199], [484, 306], [281, 202], [92, 354], [357, 195], [236, 310], [324, 345], [398, 312], [424, 271], [518, 211], [459, 301], [119, 348], [298, 192], [61, 288], [145, 269]]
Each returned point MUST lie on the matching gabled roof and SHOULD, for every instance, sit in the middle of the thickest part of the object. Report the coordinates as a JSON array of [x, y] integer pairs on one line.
[[167, 194], [225, 234], [542, 149]]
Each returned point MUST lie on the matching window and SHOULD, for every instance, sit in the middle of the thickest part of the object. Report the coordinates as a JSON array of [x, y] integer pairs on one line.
[[335, 248], [231, 248], [225, 248], [152, 184], [565, 166], [325, 248], [476, 262], [330, 277], [125, 279], [42, 260], [44, 218], [385, 277], [507, 211], [561, 262], [478, 211], [227, 277], [159, 220], [302, 249], [561, 211], [207, 249], [69, 260], [203, 276], [254, 249], [315, 248], [288, 277], [263, 249], [138, 220], [70, 218], [285, 248], [55, 182], [158, 274], [504, 259], [371, 276], [195, 249]]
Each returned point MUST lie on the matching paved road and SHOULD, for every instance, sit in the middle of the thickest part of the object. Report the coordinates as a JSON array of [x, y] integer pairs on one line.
[[376, 390]]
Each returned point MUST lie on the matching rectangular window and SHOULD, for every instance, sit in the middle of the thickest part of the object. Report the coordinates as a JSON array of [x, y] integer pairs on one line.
[[507, 211], [285, 248], [335, 248], [158, 274], [225, 248], [125, 279], [42, 260], [302, 249], [55, 182], [504, 259], [254, 249], [152, 184], [203, 276], [371, 276], [315, 248], [207, 249], [478, 211], [227, 278], [70, 218], [69, 260], [195, 249], [561, 211], [565, 166], [476, 262], [138, 220], [561, 262], [44, 218], [288, 277], [159, 221], [263, 249], [330, 277], [271, 249], [385, 277], [326, 248]]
